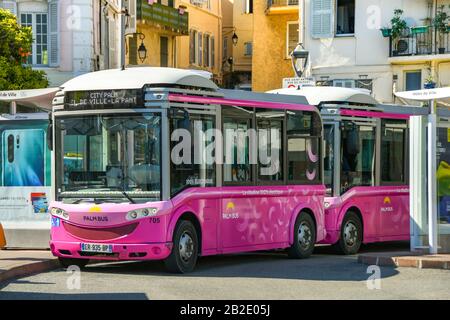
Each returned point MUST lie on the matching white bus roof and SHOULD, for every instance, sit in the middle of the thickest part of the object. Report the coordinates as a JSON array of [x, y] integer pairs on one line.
[[136, 78], [318, 95]]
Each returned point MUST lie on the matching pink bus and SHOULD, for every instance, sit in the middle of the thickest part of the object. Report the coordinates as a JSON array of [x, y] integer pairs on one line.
[[366, 164], [131, 184]]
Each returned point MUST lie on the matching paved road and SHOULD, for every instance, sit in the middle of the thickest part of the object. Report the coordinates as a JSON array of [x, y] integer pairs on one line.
[[247, 276]]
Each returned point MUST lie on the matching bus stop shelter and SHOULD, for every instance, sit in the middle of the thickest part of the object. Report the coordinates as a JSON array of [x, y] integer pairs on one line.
[[24, 206], [33, 98], [430, 170]]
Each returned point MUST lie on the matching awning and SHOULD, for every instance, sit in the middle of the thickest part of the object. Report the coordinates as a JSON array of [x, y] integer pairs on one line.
[[33, 98], [426, 94]]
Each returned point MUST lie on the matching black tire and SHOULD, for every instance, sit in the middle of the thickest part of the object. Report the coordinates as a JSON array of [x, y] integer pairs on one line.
[[351, 235], [303, 246], [67, 262], [183, 257]]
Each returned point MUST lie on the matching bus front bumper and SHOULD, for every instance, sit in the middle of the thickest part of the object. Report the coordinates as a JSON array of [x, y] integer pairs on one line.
[[146, 251]]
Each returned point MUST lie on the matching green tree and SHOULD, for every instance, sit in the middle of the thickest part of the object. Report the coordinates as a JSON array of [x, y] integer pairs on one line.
[[15, 47]]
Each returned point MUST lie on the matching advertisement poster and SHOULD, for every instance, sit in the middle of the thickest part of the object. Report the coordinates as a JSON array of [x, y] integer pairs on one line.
[[443, 174], [25, 176]]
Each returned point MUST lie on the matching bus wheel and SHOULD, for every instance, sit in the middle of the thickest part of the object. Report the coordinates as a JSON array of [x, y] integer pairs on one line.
[[351, 234], [67, 262], [304, 237], [184, 253]]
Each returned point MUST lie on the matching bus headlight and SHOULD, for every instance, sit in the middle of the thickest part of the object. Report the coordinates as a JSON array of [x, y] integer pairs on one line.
[[60, 213], [141, 213]]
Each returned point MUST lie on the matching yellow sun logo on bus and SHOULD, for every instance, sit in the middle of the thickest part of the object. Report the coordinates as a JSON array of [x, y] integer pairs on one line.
[[230, 206], [387, 200], [95, 209]]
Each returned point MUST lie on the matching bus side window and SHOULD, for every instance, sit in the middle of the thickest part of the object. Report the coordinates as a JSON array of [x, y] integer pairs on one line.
[[303, 147], [270, 125], [393, 151], [237, 167], [358, 155], [190, 170]]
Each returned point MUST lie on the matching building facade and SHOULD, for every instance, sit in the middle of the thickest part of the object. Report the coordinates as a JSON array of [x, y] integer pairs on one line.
[[62, 35], [276, 34], [237, 43], [347, 47], [178, 33], [202, 49]]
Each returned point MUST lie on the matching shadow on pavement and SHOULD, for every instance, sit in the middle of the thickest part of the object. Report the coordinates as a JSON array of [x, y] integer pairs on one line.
[[324, 265], [75, 296]]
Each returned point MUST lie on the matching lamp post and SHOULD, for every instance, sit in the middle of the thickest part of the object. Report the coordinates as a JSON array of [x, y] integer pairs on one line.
[[299, 59]]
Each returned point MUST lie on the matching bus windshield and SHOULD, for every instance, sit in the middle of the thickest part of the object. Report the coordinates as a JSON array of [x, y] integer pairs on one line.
[[112, 156]]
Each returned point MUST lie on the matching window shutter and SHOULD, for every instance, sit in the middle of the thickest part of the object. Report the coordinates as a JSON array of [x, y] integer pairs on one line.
[[213, 53], [53, 9], [191, 46], [322, 20], [9, 5], [200, 49], [131, 6]]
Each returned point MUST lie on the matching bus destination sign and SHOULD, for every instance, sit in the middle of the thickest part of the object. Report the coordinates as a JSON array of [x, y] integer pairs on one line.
[[103, 99]]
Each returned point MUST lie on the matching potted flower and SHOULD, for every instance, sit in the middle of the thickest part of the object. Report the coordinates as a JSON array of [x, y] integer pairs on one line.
[[440, 23], [398, 27], [386, 32], [429, 83]]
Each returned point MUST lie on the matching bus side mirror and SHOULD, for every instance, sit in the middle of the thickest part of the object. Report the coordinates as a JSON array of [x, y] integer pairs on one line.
[[50, 136]]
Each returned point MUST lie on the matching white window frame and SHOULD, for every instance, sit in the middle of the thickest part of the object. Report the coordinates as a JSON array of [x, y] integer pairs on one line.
[[336, 21], [34, 32], [288, 53]]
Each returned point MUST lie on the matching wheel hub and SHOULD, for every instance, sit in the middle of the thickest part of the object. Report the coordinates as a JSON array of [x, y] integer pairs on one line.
[[350, 233], [304, 235], [186, 247]]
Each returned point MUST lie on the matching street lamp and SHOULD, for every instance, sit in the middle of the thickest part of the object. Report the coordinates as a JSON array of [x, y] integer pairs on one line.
[[235, 39], [142, 50], [299, 59]]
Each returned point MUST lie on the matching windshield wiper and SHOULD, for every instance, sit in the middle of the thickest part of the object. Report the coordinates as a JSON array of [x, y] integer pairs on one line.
[[126, 195]]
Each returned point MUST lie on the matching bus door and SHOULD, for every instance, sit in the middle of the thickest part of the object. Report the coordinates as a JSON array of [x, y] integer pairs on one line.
[[394, 205], [358, 149], [251, 215], [192, 139]]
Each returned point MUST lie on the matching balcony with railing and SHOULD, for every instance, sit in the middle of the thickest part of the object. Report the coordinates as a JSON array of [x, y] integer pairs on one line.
[[282, 6], [419, 41], [168, 18]]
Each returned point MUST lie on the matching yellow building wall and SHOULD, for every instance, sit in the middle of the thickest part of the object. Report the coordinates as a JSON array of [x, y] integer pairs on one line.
[[206, 21], [270, 64], [243, 22], [152, 43]]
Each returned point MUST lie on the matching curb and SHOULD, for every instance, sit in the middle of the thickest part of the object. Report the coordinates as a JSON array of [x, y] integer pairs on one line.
[[28, 269], [404, 261]]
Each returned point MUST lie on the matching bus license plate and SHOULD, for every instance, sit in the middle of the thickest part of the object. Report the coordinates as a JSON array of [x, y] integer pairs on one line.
[[96, 247]]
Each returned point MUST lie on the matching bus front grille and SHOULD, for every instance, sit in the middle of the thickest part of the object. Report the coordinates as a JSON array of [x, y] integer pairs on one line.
[[99, 233]]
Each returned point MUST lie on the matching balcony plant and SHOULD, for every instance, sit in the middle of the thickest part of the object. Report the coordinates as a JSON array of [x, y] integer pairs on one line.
[[440, 23], [429, 83], [398, 27]]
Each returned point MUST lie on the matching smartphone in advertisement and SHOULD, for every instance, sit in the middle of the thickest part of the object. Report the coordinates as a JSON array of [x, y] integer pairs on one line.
[[23, 158], [40, 202]]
